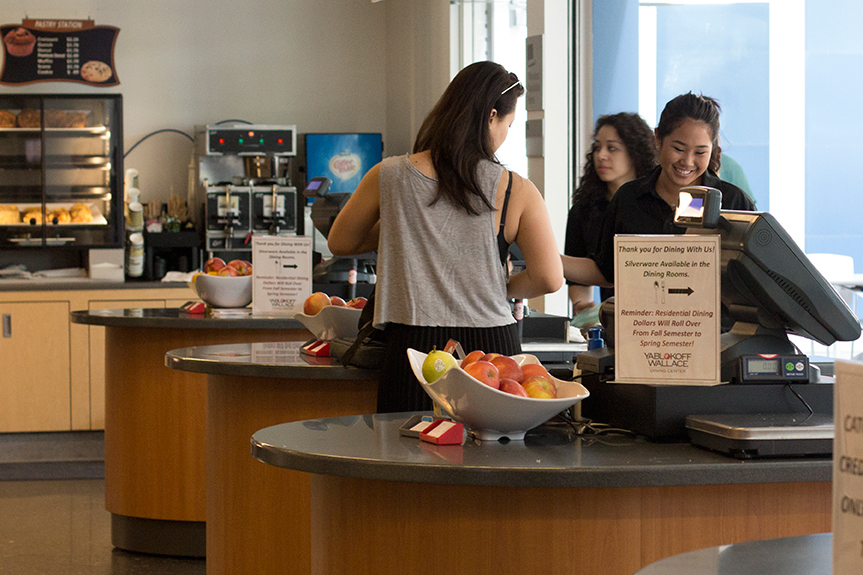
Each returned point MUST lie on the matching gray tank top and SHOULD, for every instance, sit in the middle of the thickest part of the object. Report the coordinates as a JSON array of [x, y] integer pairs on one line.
[[437, 265]]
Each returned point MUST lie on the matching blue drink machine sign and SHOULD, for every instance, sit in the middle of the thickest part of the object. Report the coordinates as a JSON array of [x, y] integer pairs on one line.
[[59, 51]]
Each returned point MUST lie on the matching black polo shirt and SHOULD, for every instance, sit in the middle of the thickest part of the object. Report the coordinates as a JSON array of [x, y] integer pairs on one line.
[[636, 208], [583, 227]]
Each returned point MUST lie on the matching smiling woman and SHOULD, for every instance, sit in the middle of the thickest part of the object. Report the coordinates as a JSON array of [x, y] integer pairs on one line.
[[688, 140]]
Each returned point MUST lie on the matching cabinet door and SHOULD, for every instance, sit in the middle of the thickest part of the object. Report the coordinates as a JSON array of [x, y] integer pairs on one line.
[[35, 378]]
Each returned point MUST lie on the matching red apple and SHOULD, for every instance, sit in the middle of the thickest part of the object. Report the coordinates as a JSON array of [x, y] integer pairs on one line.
[[243, 267], [513, 387], [531, 369], [508, 368], [490, 356], [213, 265], [539, 387], [337, 301], [228, 271], [473, 356], [484, 372], [357, 303], [315, 303]]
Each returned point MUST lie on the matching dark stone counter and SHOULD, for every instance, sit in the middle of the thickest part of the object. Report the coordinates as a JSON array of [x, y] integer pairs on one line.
[[370, 447]]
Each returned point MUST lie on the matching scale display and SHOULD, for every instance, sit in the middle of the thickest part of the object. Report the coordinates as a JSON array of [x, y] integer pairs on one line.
[[774, 368]]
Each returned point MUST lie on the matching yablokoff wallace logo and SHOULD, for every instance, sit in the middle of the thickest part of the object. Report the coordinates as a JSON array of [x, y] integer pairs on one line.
[[345, 165], [667, 359]]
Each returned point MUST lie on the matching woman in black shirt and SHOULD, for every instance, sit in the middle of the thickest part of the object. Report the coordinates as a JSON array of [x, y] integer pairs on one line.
[[624, 148]]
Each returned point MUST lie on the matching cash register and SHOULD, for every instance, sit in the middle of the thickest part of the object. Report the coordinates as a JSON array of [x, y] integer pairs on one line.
[[773, 401]]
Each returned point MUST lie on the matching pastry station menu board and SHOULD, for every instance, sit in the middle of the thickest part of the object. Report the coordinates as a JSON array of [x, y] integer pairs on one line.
[[59, 50]]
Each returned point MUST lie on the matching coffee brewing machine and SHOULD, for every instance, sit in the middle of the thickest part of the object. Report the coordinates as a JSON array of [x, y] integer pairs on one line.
[[244, 178]]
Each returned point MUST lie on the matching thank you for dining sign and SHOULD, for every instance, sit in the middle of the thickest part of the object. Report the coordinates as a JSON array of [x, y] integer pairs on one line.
[[283, 274], [59, 51], [667, 309]]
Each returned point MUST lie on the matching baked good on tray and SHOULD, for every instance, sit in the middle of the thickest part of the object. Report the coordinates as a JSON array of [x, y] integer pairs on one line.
[[81, 214], [55, 118], [7, 119], [9, 214], [29, 118], [62, 216], [32, 216], [75, 120]]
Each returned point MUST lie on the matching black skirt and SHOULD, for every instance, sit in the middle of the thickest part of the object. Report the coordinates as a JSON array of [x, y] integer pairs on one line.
[[398, 388]]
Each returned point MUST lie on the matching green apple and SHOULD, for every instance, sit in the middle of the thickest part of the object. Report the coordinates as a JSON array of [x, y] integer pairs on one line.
[[436, 364]]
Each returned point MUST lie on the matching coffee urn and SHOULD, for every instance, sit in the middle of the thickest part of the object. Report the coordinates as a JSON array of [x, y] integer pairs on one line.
[[244, 178]]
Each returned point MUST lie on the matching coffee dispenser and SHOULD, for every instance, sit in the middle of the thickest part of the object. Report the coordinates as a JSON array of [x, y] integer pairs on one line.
[[244, 175]]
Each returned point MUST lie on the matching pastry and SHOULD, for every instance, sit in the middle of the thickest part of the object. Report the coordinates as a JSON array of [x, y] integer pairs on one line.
[[81, 214], [19, 42], [95, 71], [29, 118], [32, 216], [55, 118], [10, 215], [7, 119], [62, 216], [75, 120]]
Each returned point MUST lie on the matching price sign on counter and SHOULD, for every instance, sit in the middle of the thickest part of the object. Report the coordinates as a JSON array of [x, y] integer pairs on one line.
[[283, 273], [667, 309], [59, 50], [848, 469]]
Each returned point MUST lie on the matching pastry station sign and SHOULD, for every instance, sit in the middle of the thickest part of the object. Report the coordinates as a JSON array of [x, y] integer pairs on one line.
[[59, 51]]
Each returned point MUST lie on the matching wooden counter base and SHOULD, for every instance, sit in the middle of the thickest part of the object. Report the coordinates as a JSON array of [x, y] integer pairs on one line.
[[381, 527], [155, 432], [258, 515]]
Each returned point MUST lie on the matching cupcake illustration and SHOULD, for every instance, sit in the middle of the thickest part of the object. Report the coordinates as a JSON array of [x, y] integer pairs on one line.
[[19, 42]]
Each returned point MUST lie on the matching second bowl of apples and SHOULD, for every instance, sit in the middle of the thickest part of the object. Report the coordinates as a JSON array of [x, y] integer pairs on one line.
[[491, 414]]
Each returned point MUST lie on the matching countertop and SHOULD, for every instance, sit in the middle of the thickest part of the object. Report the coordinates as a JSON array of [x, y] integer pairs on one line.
[[174, 318], [271, 359], [66, 284], [370, 447]]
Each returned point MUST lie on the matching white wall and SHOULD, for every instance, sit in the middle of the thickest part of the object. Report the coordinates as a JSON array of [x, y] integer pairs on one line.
[[317, 64]]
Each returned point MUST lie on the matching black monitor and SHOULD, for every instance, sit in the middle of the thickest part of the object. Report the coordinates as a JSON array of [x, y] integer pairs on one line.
[[770, 289]]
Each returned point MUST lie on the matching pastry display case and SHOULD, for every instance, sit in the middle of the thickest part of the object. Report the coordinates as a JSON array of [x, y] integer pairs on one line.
[[61, 171]]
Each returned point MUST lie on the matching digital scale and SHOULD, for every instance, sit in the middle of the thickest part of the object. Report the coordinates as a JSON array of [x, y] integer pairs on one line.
[[773, 368], [748, 436]]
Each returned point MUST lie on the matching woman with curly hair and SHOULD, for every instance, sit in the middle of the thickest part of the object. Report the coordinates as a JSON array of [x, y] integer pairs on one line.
[[624, 148]]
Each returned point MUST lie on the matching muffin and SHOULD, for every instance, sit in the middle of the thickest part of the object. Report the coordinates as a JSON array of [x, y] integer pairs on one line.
[[81, 214], [75, 120], [29, 118], [10, 215], [32, 216], [62, 216], [7, 119], [19, 42], [55, 118]]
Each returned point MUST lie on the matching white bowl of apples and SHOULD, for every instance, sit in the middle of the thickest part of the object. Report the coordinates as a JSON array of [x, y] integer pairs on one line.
[[331, 317], [474, 396], [224, 285]]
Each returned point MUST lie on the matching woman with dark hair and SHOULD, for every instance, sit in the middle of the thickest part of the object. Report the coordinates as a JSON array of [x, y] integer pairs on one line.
[[624, 148], [441, 220], [689, 152]]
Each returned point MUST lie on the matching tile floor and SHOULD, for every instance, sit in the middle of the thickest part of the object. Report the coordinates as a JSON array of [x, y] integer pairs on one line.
[[61, 527]]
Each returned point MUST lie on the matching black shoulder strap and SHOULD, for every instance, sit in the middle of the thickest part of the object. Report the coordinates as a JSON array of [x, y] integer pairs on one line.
[[502, 244]]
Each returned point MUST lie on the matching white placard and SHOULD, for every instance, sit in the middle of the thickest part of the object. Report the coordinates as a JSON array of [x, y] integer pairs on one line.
[[283, 274], [667, 309], [848, 469]]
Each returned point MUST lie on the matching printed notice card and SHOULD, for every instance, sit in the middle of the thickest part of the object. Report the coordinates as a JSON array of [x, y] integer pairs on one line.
[[667, 309], [59, 50], [283, 274], [848, 469]]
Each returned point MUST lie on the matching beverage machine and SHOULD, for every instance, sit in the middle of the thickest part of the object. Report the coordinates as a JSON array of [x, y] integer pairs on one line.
[[244, 180]]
